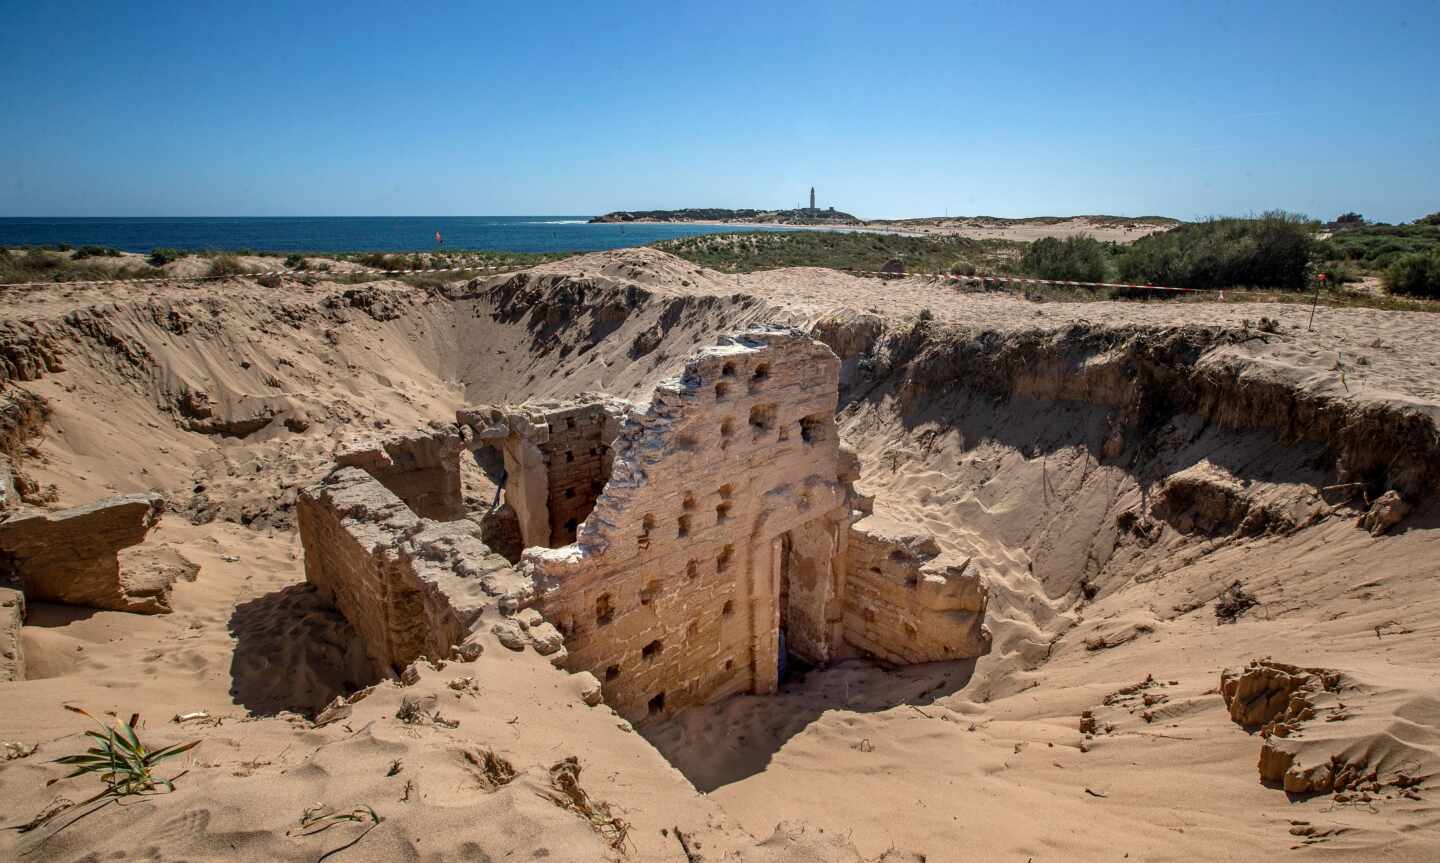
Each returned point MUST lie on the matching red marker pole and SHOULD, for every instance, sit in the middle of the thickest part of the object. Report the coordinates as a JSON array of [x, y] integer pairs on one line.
[[1319, 283]]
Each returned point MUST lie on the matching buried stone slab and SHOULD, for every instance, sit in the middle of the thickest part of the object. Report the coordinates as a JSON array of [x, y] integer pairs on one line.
[[72, 556]]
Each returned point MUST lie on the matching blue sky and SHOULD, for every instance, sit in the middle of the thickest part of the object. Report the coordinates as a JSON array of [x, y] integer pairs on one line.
[[890, 109]]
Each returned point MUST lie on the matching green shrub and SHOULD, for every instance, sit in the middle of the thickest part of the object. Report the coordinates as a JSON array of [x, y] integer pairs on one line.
[[95, 252], [295, 262], [1272, 251], [161, 257], [226, 265], [1432, 219], [1073, 259], [1338, 272], [1415, 275], [34, 259]]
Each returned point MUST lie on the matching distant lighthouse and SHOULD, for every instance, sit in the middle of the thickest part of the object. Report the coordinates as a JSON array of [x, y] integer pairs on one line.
[[812, 199]]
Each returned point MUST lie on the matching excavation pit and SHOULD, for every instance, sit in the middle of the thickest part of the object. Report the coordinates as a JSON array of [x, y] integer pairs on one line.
[[677, 566]]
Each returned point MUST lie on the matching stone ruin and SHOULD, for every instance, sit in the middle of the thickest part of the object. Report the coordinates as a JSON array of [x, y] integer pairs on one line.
[[73, 557], [679, 550]]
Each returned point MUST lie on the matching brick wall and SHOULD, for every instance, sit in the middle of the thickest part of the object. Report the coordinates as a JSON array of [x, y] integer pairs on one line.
[[908, 602], [578, 458], [670, 595], [422, 468], [410, 586]]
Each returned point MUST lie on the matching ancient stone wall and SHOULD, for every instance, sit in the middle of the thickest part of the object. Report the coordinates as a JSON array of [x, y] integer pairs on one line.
[[410, 586], [908, 602], [422, 468], [713, 527], [579, 458], [72, 555], [557, 459], [724, 486]]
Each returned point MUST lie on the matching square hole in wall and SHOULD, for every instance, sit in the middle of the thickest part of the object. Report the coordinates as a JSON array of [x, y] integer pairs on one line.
[[728, 370], [569, 455], [569, 422], [569, 493], [657, 704], [722, 389], [604, 610], [760, 375], [652, 650], [729, 664], [722, 563], [688, 503], [814, 428], [692, 569], [682, 527], [729, 608], [762, 418], [649, 591], [722, 512], [612, 672]]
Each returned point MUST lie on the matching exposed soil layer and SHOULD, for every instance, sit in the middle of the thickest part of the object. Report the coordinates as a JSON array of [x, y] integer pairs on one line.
[[1120, 468]]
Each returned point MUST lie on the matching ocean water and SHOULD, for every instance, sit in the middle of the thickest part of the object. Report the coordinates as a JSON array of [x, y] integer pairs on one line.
[[346, 234]]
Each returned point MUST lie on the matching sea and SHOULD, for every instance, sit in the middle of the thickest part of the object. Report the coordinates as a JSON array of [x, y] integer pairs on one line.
[[348, 234]]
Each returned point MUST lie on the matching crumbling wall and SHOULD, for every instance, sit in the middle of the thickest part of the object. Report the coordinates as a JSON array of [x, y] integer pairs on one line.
[[72, 556], [410, 586], [557, 460], [908, 602], [671, 593], [422, 468], [579, 457]]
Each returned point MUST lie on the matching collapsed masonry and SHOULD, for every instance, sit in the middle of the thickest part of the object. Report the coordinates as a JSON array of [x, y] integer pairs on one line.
[[679, 549], [74, 557]]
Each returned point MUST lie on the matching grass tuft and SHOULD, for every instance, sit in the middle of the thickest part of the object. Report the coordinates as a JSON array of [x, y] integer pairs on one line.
[[121, 761]]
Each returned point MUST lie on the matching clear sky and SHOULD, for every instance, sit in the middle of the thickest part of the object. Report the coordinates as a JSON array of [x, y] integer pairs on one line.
[[889, 108]]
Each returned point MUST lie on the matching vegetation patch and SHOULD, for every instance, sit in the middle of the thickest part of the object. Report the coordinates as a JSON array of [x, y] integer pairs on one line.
[[1074, 259], [866, 252], [1272, 251]]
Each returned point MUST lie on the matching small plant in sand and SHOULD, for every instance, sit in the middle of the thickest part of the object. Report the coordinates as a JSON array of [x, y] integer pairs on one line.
[[121, 761], [319, 818]]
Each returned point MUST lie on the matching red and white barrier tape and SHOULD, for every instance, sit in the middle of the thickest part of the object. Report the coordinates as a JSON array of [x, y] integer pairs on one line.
[[982, 277]]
